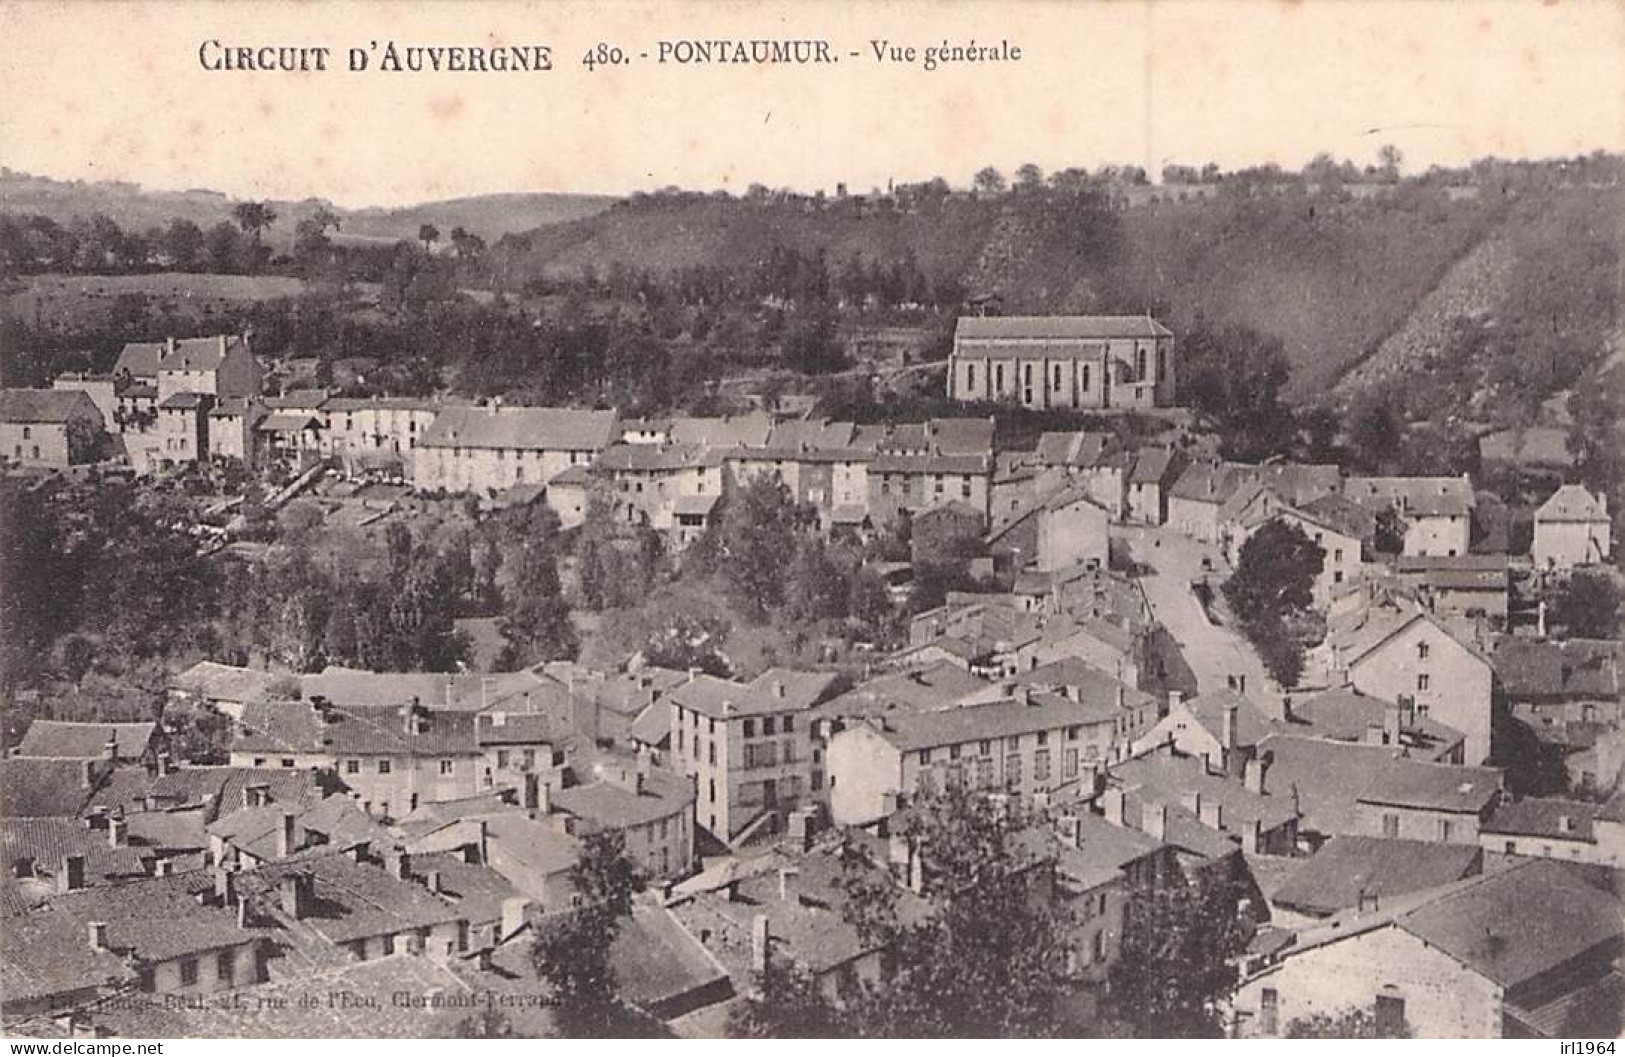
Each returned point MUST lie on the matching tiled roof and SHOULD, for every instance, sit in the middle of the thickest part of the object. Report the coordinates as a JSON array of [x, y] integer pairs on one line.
[[1074, 676], [1167, 778], [1345, 714], [1546, 817], [44, 842], [183, 401], [1461, 572], [1252, 726], [614, 805], [49, 737], [659, 964], [353, 900], [535, 848], [1433, 786], [46, 405], [1060, 327], [653, 725], [140, 358], [296, 727], [463, 692], [819, 434], [435, 814], [1340, 514], [298, 400], [890, 462], [286, 422], [527, 428], [515, 728], [1151, 466], [46, 952], [728, 431], [775, 690], [649, 458], [1345, 867], [1077, 449], [1572, 503], [476, 891], [696, 505], [336, 819]]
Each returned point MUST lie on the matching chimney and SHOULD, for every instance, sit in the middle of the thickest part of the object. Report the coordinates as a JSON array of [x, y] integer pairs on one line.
[[98, 935], [1253, 776], [1191, 800], [166, 764], [110, 749], [294, 890], [163, 867], [760, 937], [1175, 698], [285, 836], [785, 873], [87, 774], [1368, 900], [242, 913], [225, 886], [1376, 732], [1212, 814], [1227, 733], [1154, 821], [72, 878], [398, 863], [118, 833], [97, 819], [1111, 802], [1392, 723], [1255, 837], [433, 881], [544, 798]]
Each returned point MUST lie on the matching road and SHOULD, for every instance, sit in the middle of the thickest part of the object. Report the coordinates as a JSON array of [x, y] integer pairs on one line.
[[1214, 653]]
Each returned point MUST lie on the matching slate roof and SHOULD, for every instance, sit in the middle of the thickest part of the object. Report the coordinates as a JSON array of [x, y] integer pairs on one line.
[[336, 819], [820, 434], [535, 848], [225, 682], [199, 354], [1345, 714], [1414, 496], [1572, 503], [651, 458], [1151, 466], [1345, 867], [476, 891], [526, 428], [295, 727], [1164, 777], [1060, 327], [192, 786], [1434, 786], [1340, 514], [352, 900], [1461, 572], [1072, 674], [140, 358], [1078, 449], [659, 965], [46, 405], [34, 788], [775, 690], [183, 401], [1513, 926], [1102, 851], [1252, 726], [1552, 817], [908, 732], [931, 686], [614, 805], [515, 728], [56, 738], [653, 725], [727, 431], [1576, 668]]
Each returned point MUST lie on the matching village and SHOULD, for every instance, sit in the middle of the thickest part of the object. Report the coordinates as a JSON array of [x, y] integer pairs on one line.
[[1347, 730]]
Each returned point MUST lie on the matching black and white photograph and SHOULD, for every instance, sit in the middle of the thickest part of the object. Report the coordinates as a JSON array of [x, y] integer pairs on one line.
[[913, 520]]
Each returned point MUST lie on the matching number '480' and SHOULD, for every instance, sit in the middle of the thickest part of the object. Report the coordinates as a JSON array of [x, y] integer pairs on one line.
[[603, 55]]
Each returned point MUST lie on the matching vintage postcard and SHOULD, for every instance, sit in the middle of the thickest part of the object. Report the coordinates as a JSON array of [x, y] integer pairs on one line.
[[716, 520]]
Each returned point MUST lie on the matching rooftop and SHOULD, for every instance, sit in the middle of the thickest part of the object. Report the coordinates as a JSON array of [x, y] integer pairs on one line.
[[1572, 503], [521, 428], [46, 405], [60, 739], [1347, 868], [1060, 327]]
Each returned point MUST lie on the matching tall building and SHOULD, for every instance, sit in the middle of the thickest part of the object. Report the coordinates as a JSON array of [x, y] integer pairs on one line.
[[1047, 362]]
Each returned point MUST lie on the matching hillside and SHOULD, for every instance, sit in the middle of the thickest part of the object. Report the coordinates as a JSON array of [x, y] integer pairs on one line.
[[1332, 277], [136, 208]]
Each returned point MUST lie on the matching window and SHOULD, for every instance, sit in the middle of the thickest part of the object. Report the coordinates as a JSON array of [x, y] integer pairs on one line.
[[27, 433], [1056, 385], [1027, 375], [984, 771], [383, 766], [1390, 825], [1422, 681], [712, 753], [713, 799], [984, 748], [925, 755], [389, 944], [147, 982], [970, 376], [1012, 769], [998, 377], [767, 725], [287, 761], [953, 752], [1043, 737], [352, 766], [226, 966], [1041, 765], [259, 761], [1083, 376], [502, 757], [1512, 847], [1098, 953], [789, 724], [188, 972], [1069, 764], [1422, 650], [680, 733], [964, 488], [446, 766], [1444, 830], [1268, 1011]]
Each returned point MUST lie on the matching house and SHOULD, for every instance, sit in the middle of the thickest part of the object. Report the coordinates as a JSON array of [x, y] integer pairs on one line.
[[49, 427], [1149, 479], [1568, 694], [1344, 714], [1214, 727], [1418, 656], [1557, 828], [183, 428], [1252, 814], [1413, 800], [220, 366], [376, 432], [1099, 867], [44, 857], [648, 481], [390, 757], [944, 531], [748, 747], [1468, 585], [1045, 362], [273, 831], [233, 426], [1338, 527], [1571, 528], [1525, 952], [184, 934], [1028, 743], [103, 390], [1060, 530], [651, 807], [1437, 511], [1078, 678], [475, 449], [1205, 487], [568, 494]]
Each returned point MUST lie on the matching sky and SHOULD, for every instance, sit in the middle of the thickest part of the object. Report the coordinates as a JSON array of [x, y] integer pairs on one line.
[[109, 91]]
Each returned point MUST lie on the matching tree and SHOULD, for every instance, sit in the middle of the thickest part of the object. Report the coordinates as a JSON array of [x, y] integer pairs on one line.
[[1275, 574], [1353, 1024], [811, 344], [253, 218], [428, 234], [310, 242], [786, 1003], [987, 960], [1390, 158], [1587, 604], [467, 244], [757, 541], [1376, 432], [1389, 535], [1235, 375], [535, 622], [1180, 947], [573, 952], [988, 181], [1029, 177]]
